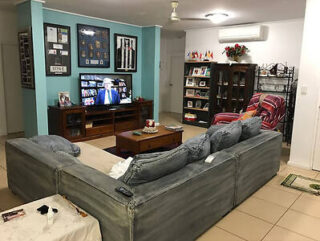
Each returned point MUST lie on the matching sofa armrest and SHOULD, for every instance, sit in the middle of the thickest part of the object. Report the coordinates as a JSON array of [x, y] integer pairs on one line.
[[32, 170], [95, 192]]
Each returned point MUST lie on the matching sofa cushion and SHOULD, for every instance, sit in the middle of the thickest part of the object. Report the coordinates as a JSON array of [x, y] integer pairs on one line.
[[250, 127], [57, 143], [146, 170], [198, 147], [212, 129], [226, 136], [97, 158]]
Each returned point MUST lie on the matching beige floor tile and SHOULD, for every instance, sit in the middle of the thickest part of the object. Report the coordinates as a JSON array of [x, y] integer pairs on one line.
[[281, 234], [300, 223], [3, 179], [299, 171], [276, 183], [103, 142], [8, 200], [218, 234], [276, 196], [244, 225], [265, 210], [307, 204]]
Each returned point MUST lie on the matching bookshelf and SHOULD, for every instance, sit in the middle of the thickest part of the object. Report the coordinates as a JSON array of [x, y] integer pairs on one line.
[[221, 88]]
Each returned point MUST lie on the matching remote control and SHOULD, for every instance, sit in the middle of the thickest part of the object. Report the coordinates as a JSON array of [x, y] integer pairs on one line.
[[124, 191]]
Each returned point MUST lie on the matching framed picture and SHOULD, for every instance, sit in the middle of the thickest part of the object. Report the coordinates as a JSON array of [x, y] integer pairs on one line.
[[208, 72], [190, 104], [57, 49], [204, 70], [190, 82], [196, 72], [198, 104], [93, 46], [206, 106], [26, 59], [125, 53], [64, 99], [202, 83], [198, 93], [190, 92]]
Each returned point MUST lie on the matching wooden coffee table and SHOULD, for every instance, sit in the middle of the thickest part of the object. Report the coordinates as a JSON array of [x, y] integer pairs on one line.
[[146, 142]]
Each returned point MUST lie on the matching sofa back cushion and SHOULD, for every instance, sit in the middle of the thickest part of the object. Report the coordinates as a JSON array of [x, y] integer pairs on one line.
[[146, 170], [250, 127], [226, 137], [198, 147], [212, 129], [57, 143]]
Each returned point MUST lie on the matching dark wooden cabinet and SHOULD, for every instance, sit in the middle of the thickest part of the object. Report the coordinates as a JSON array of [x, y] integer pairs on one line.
[[229, 88], [232, 87], [79, 123]]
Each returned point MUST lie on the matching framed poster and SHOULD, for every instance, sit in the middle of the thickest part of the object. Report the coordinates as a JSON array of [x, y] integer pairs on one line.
[[93, 46], [125, 53], [26, 59], [57, 49]]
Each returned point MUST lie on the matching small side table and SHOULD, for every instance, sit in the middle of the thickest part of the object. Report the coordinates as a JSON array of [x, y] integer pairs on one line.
[[67, 224]]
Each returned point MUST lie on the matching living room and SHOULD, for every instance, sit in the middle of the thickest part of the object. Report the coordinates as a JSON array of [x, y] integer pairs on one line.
[[169, 76]]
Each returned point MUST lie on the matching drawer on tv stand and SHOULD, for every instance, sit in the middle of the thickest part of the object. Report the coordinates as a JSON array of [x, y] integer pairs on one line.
[[100, 130]]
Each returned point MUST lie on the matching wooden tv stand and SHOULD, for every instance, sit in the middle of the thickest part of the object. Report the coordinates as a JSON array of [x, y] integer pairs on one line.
[[80, 123]]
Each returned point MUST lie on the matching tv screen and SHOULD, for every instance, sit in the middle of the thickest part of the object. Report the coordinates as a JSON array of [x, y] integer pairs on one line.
[[105, 89]]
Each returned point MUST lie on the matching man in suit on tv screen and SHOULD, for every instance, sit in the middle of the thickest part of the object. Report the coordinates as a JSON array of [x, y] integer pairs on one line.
[[108, 95]]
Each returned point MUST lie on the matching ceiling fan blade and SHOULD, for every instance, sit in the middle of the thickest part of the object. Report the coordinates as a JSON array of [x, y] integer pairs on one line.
[[194, 19]]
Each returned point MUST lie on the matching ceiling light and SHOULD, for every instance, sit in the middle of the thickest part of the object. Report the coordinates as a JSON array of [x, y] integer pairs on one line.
[[217, 17]]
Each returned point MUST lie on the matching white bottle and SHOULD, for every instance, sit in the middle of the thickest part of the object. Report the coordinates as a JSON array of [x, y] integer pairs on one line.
[[50, 215]]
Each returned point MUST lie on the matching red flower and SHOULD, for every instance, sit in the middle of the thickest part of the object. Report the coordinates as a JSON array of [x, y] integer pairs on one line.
[[237, 45]]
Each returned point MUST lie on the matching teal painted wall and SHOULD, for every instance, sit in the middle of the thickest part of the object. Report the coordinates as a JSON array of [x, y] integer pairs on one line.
[[71, 83], [151, 66], [39, 67], [28, 95], [35, 102]]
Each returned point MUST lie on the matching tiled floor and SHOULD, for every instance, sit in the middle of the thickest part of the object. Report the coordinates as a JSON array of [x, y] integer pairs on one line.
[[273, 213]]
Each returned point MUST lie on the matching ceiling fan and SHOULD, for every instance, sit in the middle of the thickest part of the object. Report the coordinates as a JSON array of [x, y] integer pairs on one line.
[[213, 17]]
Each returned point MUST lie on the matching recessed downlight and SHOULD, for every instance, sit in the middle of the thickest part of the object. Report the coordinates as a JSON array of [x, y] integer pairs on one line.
[[217, 17]]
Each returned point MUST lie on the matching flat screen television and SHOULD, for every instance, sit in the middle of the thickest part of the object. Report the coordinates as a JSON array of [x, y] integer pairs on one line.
[[105, 89]]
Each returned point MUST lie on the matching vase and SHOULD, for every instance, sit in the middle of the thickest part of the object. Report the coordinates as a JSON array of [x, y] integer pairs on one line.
[[236, 58]]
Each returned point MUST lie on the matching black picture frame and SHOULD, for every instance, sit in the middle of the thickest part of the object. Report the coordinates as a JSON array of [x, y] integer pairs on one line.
[[118, 59], [93, 46], [26, 59], [57, 50]]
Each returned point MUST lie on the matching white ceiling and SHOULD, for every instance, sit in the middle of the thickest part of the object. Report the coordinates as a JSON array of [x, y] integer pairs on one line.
[[156, 12]]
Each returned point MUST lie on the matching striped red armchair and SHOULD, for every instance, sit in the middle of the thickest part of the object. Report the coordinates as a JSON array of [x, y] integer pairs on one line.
[[271, 108]]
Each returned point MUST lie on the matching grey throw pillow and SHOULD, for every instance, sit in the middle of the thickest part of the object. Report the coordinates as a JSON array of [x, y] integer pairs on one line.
[[146, 170], [212, 129], [250, 127], [57, 143], [198, 147], [226, 137]]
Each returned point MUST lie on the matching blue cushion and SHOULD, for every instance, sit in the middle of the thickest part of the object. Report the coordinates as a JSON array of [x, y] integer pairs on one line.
[[250, 127], [226, 137], [57, 143], [198, 147], [146, 170], [212, 129]]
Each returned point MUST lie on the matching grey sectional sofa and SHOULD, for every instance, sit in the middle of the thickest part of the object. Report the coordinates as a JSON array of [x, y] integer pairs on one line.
[[178, 206]]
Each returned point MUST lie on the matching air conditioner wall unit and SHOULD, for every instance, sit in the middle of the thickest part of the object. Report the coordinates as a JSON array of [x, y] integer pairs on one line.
[[242, 34]]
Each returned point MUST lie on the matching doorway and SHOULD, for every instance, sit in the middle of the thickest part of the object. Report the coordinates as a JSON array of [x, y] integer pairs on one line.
[[12, 87]]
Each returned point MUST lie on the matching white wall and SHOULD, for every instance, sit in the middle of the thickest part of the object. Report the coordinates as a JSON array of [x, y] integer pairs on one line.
[[306, 112], [171, 91], [10, 90], [283, 43]]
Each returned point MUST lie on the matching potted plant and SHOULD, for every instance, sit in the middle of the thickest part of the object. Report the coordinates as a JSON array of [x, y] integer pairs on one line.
[[235, 51]]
